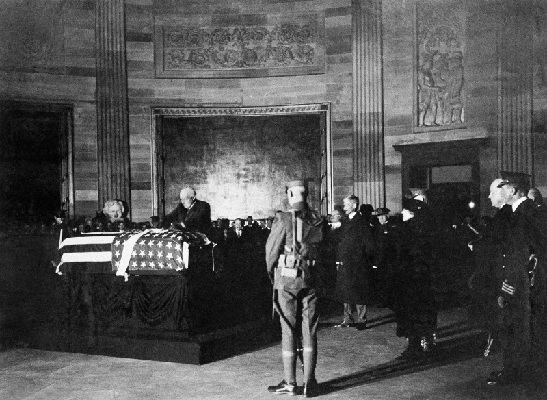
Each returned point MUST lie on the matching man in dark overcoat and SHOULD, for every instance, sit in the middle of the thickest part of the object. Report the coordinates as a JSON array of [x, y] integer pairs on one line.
[[292, 258], [354, 255], [385, 257], [527, 230], [414, 304], [190, 213]]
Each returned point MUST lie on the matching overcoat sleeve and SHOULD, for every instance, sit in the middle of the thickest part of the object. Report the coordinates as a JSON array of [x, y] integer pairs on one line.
[[173, 217]]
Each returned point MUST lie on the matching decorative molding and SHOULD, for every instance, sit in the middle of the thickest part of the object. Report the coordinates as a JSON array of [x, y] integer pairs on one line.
[[196, 47], [433, 137], [266, 110], [440, 60]]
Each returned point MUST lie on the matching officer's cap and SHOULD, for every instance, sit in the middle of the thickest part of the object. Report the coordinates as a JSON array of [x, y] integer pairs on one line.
[[519, 180], [414, 205], [382, 211], [417, 193], [295, 183]]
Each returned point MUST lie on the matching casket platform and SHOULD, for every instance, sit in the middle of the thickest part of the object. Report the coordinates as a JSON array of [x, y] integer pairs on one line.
[[150, 294]]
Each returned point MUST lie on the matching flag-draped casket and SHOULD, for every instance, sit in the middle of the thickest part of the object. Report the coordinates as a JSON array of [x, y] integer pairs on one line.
[[153, 251]]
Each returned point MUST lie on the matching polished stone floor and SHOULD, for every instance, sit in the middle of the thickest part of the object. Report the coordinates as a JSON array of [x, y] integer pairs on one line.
[[352, 365]]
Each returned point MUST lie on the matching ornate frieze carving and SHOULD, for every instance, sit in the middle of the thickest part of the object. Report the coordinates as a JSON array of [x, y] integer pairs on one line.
[[440, 63], [285, 45]]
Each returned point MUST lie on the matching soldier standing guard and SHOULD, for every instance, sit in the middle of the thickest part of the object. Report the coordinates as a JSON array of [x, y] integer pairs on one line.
[[291, 256]]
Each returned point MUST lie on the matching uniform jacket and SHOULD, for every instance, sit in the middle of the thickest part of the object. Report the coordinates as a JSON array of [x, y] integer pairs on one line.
[[526, 231], [281, 236], [487, 276], [355, 252]]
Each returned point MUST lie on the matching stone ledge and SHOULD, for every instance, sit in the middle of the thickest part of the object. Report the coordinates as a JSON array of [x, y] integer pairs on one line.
[[437, 136]]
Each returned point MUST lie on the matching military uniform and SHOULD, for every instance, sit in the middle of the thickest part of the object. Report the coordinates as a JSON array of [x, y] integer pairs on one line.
[[486, 279], [292, 266], [526, 230]]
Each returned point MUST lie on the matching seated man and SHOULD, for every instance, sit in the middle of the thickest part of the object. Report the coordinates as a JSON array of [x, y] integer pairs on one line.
[[191, 213], [112, 218]]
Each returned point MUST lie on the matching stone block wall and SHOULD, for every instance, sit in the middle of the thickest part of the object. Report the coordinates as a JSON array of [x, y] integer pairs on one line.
[[47, 56], [146, 91], [483, 21]]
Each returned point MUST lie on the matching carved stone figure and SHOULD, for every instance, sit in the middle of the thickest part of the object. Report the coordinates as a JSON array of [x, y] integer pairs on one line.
[[455, 86], [427, 93]]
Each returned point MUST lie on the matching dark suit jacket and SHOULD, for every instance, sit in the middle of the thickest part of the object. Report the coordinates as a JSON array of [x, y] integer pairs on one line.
[[197, 217]]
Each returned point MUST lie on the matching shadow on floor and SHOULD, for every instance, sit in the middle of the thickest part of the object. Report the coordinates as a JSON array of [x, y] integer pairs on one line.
[[446, 352], [371, 323]]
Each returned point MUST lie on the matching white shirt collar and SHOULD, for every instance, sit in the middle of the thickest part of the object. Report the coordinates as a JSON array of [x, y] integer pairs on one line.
[[352, 214], [515, 205]]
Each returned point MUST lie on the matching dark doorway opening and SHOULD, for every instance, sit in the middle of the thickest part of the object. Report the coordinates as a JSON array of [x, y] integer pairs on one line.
[[34, 163], [453, 191]]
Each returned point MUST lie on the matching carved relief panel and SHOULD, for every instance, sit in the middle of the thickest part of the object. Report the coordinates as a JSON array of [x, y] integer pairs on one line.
[[239, 46], [440, 54]]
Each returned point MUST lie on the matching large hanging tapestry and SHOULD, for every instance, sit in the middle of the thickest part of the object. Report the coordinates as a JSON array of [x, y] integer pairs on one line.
[[239, 46], [440, 63]]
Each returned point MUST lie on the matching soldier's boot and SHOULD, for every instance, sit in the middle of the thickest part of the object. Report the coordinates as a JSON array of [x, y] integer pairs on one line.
[[413, 349], [311, 388], [289, 366], [428, 343], [488, 347]]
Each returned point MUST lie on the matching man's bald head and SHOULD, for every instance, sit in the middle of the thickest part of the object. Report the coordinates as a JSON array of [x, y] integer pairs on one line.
[[187, 196]]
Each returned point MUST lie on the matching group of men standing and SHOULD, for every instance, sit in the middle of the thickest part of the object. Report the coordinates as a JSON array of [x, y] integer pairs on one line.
[[520, 251], [296, 246]]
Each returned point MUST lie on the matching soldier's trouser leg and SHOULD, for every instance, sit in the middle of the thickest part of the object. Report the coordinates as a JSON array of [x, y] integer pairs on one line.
[[361, 313], [310, 319], [516, 348], [348, 313], [286, 306]]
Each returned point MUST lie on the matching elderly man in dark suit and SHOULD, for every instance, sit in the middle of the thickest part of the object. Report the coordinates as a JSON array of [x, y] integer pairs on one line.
[[191, 213], [526, 230], [354, 252]]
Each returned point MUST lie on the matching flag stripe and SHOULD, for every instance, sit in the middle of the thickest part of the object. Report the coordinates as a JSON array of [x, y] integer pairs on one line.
[[87, 240], [85, 248], [88, 256]]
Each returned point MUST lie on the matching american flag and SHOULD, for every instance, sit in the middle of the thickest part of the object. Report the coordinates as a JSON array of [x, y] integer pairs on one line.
[[150, 250], [94, 250]]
